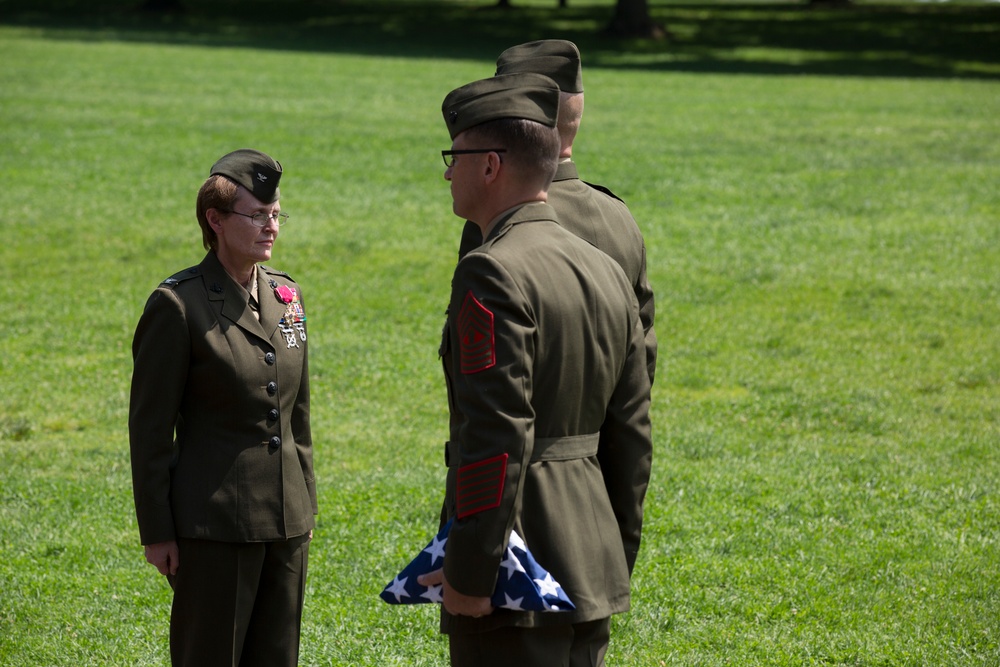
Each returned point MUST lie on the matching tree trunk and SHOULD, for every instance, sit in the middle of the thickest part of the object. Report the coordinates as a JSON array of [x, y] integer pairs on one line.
[[162, 6], [632, 19]]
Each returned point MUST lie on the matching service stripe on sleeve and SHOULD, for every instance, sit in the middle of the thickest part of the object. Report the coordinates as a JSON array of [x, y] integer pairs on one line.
[[480, 485]]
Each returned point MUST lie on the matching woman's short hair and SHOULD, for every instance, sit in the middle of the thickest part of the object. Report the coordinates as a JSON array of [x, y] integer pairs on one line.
[[217, 192]]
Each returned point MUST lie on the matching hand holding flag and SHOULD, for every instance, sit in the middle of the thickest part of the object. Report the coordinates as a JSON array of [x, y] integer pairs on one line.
[[457, 603], [522, 584]]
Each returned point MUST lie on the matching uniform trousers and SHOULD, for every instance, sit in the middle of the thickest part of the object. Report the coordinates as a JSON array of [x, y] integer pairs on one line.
[[576, 645], [238, 604]]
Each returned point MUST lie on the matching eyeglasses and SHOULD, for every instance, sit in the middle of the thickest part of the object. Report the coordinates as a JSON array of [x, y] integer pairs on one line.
[[449, 156], [261, 219]]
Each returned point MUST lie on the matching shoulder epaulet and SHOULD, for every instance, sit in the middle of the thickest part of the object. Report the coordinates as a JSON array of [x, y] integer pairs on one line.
[[273, 272], [605, 191], [180, 277]]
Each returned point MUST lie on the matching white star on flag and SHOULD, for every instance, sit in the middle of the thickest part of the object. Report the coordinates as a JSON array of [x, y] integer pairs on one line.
[[513, 603], [511, 564], [433, 594], [398, 588], [515, 542], [436, 549], [548, 585]]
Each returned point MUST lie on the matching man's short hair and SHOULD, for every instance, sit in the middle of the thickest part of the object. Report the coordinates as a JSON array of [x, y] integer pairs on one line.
[[532, 149]]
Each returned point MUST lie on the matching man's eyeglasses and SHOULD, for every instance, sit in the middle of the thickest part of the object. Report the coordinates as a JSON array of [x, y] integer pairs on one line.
[[449, 156], [261, 219]]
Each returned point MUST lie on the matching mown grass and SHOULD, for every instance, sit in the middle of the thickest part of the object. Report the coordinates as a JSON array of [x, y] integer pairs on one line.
[[818, 193]]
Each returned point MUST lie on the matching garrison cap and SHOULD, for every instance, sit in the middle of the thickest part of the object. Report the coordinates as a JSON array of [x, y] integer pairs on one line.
[[525, 95], [257, 172], [557, 59]]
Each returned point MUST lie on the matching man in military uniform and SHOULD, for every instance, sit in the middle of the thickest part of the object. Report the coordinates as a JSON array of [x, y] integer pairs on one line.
[[590, 211], [219, 431], [545, 362]]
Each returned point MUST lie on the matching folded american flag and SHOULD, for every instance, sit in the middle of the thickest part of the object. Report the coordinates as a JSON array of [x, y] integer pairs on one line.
[[522, 584]]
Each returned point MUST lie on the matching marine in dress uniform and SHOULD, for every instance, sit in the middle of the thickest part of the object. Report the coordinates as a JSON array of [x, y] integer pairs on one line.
[[592, 212], [544, 358], [220, 442]]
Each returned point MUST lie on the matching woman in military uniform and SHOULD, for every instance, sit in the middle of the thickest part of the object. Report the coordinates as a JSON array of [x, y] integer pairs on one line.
[[219, 431]]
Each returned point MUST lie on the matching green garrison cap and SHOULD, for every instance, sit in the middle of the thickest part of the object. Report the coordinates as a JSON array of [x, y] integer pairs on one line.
[[257, 172], [526, 95], [557, 59]]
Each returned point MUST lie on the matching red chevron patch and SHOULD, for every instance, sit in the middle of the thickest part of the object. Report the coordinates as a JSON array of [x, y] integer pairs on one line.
[[479, 486], [475, 336]]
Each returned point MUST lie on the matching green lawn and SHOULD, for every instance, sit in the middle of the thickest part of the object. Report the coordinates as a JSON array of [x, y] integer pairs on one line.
[[819, 193]]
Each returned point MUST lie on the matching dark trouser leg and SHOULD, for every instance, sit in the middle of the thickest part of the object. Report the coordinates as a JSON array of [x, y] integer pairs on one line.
[[579, 645], [235, 604], [590, 643], [272, 638]]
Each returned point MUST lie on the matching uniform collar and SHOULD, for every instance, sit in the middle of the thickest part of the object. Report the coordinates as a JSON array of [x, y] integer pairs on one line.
[[566, 171], [221, 287], [530, 212]]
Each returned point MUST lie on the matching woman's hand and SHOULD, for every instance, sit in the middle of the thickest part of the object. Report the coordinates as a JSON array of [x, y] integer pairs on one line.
[[164, 556]]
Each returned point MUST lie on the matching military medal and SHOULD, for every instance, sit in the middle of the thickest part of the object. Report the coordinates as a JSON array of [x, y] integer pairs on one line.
[[294, 320]]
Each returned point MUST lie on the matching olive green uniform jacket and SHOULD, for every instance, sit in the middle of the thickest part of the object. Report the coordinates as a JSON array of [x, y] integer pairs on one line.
[[219, 412], [550, 435], [596, 214]]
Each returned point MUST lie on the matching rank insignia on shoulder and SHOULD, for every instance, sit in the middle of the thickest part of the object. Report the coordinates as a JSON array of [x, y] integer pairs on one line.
[[271, 271], [176, 279], [475, 336]]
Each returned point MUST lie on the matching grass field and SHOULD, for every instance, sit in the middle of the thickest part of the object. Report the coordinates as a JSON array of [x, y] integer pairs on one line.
[[819, 193]]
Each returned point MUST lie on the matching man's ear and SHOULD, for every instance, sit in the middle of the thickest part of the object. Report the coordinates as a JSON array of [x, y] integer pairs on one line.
[[492, 169]]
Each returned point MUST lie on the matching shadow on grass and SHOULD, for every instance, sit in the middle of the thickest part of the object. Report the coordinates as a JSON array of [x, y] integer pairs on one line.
[[891, 40]]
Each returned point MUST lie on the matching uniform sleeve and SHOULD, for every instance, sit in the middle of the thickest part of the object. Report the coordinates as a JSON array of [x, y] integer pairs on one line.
[[647, 314], [626, 450], [161, 354], [493, 333]]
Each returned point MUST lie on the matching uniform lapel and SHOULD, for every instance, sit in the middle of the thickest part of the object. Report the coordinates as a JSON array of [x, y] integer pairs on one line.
[[233, 306], [271, 309]]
